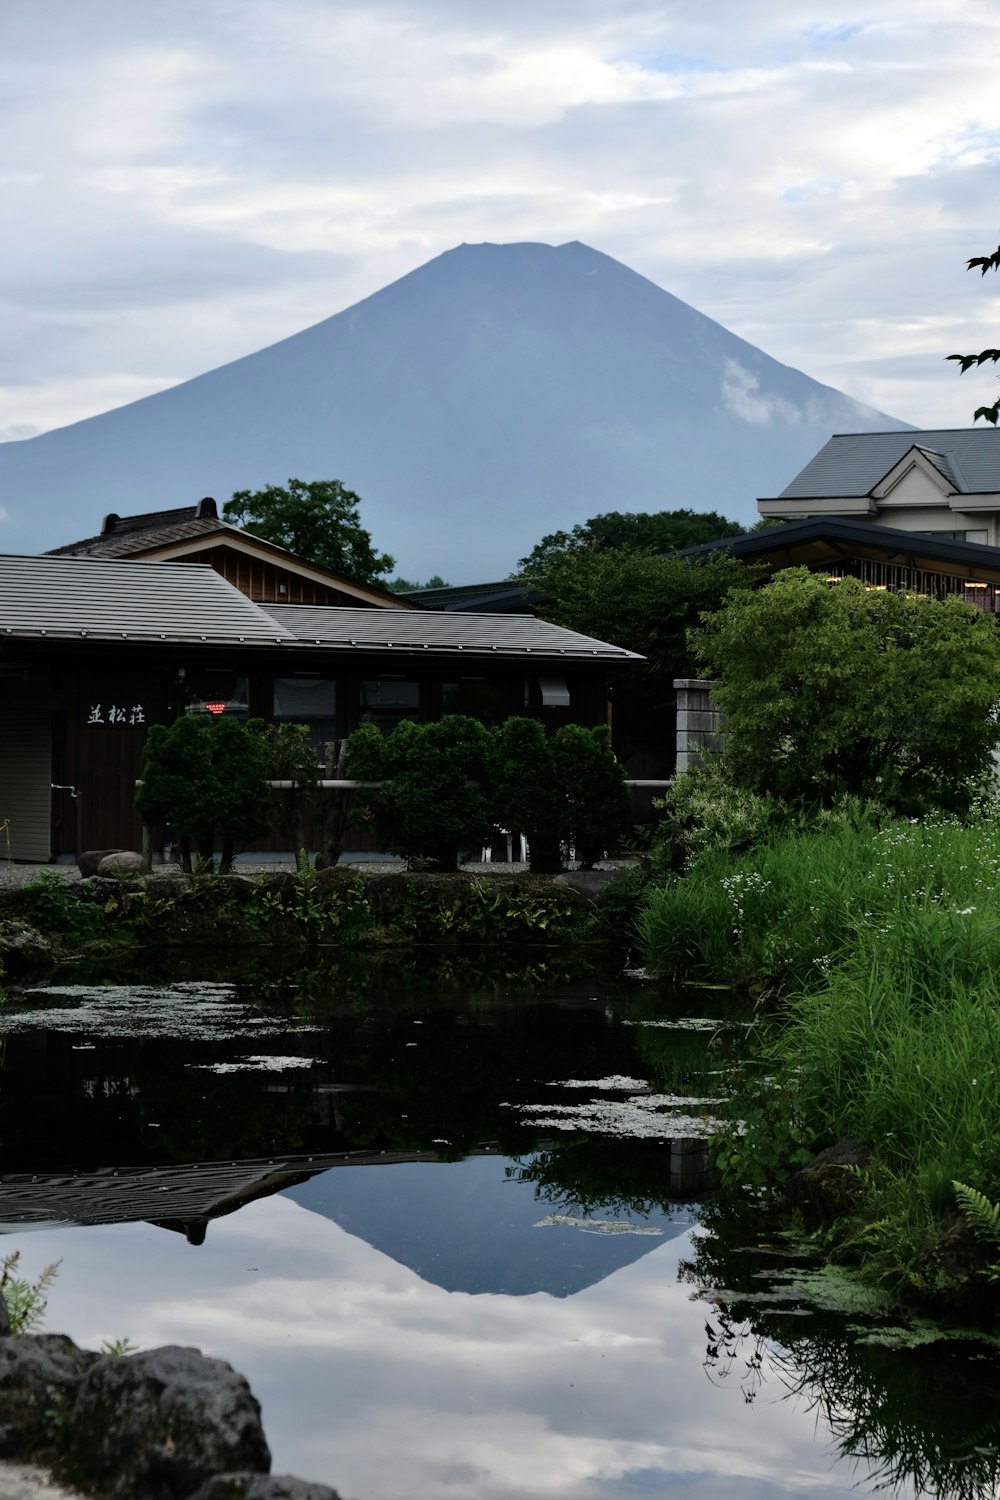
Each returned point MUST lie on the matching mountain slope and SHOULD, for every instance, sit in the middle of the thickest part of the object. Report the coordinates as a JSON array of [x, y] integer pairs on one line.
[[494, 394]]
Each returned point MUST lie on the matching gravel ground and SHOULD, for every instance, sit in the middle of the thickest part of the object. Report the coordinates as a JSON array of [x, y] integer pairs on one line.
[[16, 874]]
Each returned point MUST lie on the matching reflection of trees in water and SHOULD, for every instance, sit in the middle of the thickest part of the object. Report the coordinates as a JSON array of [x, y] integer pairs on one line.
[[354, 976], [925, 1416], [590, 1174]]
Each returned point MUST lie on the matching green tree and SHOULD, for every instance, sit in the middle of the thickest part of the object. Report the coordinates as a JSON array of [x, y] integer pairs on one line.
[[641, 602], [982, 263], [319, 520], [399, 585], [206, 777], [635, 531], [840, 690], [437, 803], [598, 812], [530, 797]]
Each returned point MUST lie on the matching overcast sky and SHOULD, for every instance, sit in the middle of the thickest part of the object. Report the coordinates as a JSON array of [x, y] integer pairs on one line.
[[185, 183]]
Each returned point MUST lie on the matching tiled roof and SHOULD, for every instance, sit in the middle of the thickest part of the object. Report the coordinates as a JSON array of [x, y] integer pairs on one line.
[[75, 598], [445, 634], [131, 542], [852, 464], [130, 539]]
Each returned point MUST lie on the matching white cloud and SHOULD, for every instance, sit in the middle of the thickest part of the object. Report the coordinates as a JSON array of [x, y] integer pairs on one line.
[[184, 184], [743, 397]]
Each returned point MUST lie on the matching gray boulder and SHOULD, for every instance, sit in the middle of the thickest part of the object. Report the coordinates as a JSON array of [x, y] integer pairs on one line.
[[39, 1377], [262, 1487], [160, 1423], [23, 949], [122, 862], [89, 860]]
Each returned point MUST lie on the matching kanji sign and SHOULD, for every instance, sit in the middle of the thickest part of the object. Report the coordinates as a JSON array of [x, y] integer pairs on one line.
[[116, 713]]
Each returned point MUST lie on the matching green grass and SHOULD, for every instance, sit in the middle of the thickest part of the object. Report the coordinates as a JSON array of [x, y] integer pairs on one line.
[[882, 953], [783, 917]]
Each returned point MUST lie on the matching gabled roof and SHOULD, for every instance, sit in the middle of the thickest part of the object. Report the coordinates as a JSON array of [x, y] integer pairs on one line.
[[851, 464], [123, 536], [827, 539], [99, 599], [77, 598], [133, 543], [442, 634], [191, 530]]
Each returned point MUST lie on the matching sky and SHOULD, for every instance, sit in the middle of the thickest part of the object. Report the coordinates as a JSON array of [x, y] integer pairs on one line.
[[183, 184]]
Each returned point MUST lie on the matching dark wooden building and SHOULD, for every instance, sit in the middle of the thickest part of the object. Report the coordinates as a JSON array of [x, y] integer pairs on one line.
[[882, 557], [93, 651]]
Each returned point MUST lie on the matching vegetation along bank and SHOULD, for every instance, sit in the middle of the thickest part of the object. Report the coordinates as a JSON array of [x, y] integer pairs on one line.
[[344, 909], [840, 865]]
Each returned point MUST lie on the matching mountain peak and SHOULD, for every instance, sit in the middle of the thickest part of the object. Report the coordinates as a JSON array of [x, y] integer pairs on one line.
[[490, 396]]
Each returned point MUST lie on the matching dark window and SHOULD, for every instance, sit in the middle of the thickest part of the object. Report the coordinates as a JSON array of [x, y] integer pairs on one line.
[[477, 699], [211, 691], [311, 701], [386, 701]]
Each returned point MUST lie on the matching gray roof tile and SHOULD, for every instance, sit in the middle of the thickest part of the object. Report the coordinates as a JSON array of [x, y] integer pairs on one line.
[[507, 635], [131, 542], [851, 464], [77, 597]]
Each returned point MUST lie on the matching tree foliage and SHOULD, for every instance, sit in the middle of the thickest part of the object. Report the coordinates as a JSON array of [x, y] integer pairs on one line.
[[400, 585], [318, 520], [206, 777], [451, 784], [636, 531], [841, 690], [598, 807], [982, 263], [436, 804], [529, 796], [638, 601]]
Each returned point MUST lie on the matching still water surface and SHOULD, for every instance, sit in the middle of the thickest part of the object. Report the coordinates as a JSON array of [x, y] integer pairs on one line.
[[460, 1240]]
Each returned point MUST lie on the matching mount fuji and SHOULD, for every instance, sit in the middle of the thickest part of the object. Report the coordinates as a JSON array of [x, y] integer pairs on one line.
[[496, 393]]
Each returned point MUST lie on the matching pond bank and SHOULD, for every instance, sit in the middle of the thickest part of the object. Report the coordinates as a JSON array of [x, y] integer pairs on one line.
[[50, 918]]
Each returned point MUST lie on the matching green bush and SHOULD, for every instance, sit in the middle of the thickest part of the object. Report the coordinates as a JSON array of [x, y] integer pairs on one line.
[[840, 690], [598, 808], [530, 796], [437, 803], [206, 777]]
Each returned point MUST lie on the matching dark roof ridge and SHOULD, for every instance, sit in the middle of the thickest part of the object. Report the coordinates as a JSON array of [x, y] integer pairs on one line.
[[769, 538]]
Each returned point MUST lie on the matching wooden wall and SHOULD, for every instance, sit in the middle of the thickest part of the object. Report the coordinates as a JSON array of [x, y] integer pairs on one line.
[[25, 768], [101, 719], [270, 583]]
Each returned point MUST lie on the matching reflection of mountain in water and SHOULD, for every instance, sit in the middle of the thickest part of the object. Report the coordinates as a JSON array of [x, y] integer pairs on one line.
[[469, 1226]]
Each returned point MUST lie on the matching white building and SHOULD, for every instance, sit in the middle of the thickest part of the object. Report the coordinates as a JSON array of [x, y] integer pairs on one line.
[[943, 484]]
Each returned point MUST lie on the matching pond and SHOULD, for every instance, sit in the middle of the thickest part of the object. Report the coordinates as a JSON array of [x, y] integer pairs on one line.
[[461, 1238]]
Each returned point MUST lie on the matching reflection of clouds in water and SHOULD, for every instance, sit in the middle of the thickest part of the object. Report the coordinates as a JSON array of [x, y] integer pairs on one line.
[[385, 1386]]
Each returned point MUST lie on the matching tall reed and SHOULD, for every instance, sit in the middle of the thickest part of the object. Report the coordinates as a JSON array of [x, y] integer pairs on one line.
[[882, 951], [788, 914]]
